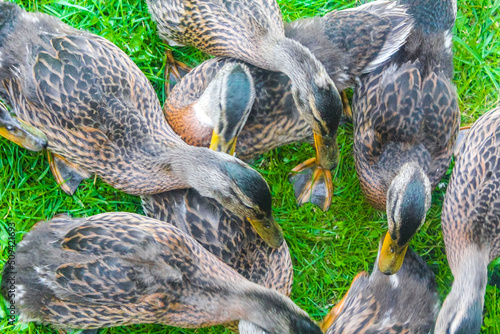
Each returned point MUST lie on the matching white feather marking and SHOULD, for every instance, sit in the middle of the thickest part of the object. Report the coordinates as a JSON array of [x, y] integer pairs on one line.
[[30, 17], [171, 42], [19, 293], [200, 109], [397, 37], [448, 37], [394, 281]]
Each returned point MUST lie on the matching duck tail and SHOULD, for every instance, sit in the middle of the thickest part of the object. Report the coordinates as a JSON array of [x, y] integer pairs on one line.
[[401, 26]]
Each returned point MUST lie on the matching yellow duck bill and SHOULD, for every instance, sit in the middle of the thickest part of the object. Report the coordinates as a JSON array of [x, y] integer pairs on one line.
[[391, 256], [219, 144], [21, 133], [269, 231]]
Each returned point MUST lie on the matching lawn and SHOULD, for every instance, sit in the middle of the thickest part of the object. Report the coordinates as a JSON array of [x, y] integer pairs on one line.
[[328, 249]]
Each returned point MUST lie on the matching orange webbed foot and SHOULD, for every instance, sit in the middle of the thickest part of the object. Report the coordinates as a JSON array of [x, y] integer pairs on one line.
[[67, 174], [175, 71], [313, 184]]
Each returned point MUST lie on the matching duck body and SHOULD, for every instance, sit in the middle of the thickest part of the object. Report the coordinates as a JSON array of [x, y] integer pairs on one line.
[[406, 122], [225, 235], [471, 225], [117, 269], [406, 302], [274, 119], [417, 76], [100, 115], [81, 91]]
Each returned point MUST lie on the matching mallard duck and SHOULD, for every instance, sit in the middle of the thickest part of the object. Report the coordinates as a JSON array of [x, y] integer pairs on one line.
[[228, 237], [117, 269], [406, 302], [253, 31], [406, 120], [275, 119], [213, 103], [101, 116], [218, 230], [471, 225]]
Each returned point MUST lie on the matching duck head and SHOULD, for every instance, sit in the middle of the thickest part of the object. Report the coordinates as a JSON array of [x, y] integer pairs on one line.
[[232, 183], [21, 133], [408, 200], [230, 97], [273, 313], [316, 97]]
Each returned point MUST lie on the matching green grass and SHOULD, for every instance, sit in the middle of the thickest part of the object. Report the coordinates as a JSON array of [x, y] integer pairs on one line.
[[328, 249]]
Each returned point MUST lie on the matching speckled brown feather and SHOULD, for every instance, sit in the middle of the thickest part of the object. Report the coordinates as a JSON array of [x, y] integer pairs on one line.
[[229, 238], [274, 119], [82, 91], [471, 209], [100, 113], [406, 302], [407, 111], [220, 28], [471, 225], [401, 117], [117, 269]]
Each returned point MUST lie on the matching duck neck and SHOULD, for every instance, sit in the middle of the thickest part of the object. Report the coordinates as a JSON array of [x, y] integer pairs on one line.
[[313, 91], [193, 167], [268, 310], [471, 273], [296, 61], [462, 309]]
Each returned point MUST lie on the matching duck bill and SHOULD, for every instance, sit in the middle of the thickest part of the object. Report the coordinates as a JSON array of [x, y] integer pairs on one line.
[[327, 151], [22, 134], [391, 256], [220, 145], [334, 313], [269, 231]]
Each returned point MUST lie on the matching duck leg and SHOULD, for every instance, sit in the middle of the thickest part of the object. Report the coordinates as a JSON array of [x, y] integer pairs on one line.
[[312, 179], [347, 114], [175, 71], [67, 174], [20, 132]]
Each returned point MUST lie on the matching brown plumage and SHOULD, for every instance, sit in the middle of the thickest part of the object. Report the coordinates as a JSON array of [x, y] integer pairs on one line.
[[225, 235], [101, 116], [253, 31], [406, 302], [406, 120], [274, 119], [117, 269], [471, 224]]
